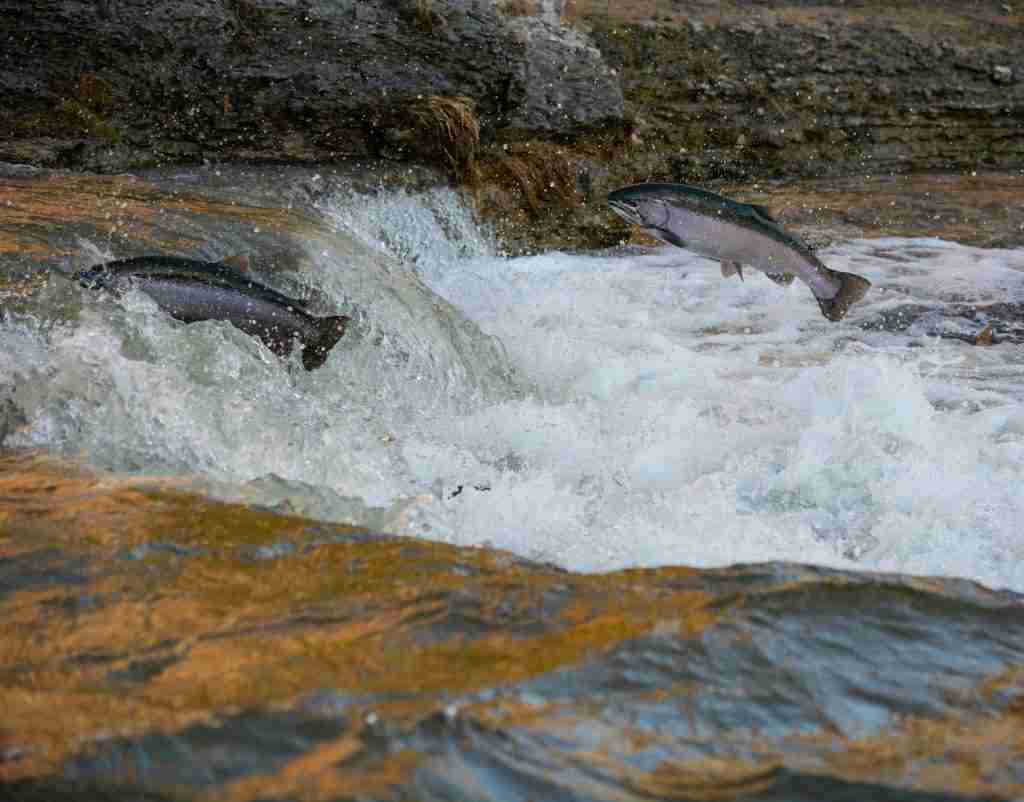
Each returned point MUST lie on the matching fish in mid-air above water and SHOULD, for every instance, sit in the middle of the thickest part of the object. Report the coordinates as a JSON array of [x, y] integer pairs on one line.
[[736, 234], [190, 291]]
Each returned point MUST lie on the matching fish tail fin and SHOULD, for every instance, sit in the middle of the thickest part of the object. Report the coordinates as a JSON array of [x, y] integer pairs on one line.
[[851, 289], [327, 332]]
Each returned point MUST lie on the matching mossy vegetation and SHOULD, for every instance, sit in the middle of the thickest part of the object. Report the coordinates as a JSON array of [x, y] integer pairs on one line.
[[540, 174], [436, 129], [520, 8], [428, 18], [451, 124]]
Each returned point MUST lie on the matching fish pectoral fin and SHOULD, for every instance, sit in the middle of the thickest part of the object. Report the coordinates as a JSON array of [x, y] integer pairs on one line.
[[665, 236], [730, 268], [784, 279]]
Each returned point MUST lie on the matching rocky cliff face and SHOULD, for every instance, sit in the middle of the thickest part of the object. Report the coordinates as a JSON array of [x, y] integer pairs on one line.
[[117, 83], [813, 95], [539, 106], [726, 94]]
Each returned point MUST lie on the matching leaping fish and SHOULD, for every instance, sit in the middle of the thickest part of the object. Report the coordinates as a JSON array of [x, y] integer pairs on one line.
[[190, 291], [736, 234]]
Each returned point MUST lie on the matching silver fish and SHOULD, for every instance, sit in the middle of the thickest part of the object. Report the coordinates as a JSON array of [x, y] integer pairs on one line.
[[736, 234], [191, 291]]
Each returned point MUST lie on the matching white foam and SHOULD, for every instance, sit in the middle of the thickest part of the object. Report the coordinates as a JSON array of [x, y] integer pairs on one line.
[[658, 415]]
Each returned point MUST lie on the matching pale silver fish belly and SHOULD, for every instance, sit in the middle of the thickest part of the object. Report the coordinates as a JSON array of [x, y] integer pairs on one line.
[[721, 239]]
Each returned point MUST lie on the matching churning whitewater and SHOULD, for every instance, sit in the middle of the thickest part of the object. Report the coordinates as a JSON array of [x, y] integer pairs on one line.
[[598, 411]]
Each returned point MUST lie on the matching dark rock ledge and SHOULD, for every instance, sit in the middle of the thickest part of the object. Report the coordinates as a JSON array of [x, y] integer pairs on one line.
[[537, 107], [117, 84]]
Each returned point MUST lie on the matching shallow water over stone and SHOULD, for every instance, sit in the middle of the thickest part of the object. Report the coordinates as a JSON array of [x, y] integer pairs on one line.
[[168, 643]]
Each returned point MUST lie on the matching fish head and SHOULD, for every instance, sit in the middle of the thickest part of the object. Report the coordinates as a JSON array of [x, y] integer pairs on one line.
[[95, 278], [648, 206], [626, 206]]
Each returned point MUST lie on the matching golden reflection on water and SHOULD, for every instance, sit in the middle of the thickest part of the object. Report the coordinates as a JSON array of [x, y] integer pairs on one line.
[[44, 217], [137, 607], [374, 616]]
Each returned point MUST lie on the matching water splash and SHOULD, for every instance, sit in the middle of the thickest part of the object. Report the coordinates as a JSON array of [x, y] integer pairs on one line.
[[430, 230], [598, 411]]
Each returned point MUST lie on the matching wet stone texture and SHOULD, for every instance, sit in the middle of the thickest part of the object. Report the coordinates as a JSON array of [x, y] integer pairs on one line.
[[539, 108], [272, 79], [733, 94], [355, 665]]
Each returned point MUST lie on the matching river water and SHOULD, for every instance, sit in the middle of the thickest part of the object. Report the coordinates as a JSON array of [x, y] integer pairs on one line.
[[183, 612], [598, 411]]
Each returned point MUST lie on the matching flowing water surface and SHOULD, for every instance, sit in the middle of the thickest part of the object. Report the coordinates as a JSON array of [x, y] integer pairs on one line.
[[598, 411], [185, 615]]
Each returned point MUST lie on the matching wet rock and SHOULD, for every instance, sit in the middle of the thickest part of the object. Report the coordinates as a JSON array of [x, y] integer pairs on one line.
[[768, 136], [147, 550], [272, 739], [868, 74], [1002, 74], [306, 81], [897, 319], [563, 82], [392, 668], [976, 324]]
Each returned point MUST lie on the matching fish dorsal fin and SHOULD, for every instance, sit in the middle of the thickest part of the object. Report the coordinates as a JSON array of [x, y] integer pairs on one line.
[[763, 211], [239, 262]]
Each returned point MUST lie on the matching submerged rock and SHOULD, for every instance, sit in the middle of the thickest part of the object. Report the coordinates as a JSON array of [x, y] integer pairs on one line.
[[342, 663], [978, 324]]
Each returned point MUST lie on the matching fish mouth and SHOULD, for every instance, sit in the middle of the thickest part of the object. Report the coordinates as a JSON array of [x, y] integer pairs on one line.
[[646, 209]]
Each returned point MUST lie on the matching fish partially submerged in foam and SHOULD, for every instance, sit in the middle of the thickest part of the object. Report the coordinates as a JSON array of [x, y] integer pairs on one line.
[[737, 234], [190, 291]]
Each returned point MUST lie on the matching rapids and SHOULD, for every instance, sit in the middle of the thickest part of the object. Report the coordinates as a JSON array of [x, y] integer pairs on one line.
[[595, 410]]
